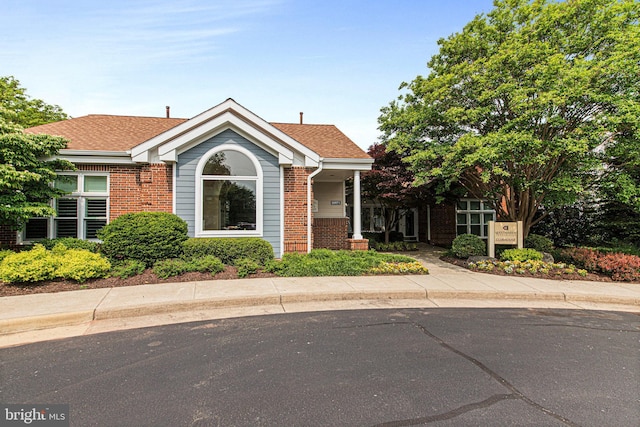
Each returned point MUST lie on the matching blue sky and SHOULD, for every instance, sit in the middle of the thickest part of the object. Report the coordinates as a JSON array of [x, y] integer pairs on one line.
[[337, 61]]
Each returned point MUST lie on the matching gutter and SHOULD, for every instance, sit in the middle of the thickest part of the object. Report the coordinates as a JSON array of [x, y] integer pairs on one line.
[[309, 203]]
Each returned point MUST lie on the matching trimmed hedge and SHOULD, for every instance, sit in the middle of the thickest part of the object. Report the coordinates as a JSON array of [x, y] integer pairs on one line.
[[144, 236], [466, 245], [229, 249], [176, 266]]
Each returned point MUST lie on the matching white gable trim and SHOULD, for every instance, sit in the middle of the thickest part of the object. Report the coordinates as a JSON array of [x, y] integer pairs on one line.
[[229, 113]]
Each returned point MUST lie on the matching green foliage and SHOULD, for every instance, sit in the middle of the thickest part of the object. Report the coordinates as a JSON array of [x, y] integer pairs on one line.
[[393, 246], [25, 178], [127, 268], [35, 265], [534, 268], [71, 243], [176, 266], [80, 264], [399, 268], [466, 245], [144, 236], [207, 263], [523, 254], [40, 264], [230, 249], [514, 104], [5, 253], [324, 262], [246, 266], [21, 109], [538, 242]]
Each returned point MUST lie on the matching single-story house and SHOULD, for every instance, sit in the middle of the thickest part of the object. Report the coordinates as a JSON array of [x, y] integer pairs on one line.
[[226, 172]]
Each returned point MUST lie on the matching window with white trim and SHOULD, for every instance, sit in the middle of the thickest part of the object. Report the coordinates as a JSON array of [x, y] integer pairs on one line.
[[229, 197], [80, 213], [473, 216]]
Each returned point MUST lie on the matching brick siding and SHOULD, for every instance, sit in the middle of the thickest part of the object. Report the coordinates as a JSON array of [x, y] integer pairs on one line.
[[330, 233], [443, 224], [295, 209]]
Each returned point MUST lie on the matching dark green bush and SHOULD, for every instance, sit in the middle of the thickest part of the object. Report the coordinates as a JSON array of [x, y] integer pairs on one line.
[[207, 263], [229, 249], [538, 242], [71, 243], [466, 245], [144, 236], [246, 266], [522, 254], [177, 266], [128, 268], [170, 267]]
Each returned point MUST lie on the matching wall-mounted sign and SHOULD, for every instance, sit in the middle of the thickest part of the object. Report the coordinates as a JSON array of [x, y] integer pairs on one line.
[[336, 202], [505, 233]]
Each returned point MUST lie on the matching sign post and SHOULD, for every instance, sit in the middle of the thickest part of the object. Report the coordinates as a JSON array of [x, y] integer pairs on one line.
[[505, 233]]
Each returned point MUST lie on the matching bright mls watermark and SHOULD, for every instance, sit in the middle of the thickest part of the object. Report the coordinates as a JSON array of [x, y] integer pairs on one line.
[[34, 415]]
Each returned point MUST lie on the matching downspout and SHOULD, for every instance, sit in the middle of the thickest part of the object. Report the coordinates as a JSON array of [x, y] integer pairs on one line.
[[310, 202]]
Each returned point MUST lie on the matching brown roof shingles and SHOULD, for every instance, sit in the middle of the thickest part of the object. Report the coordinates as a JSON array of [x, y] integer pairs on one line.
[[122, 133], [326, 140], [106, 132]]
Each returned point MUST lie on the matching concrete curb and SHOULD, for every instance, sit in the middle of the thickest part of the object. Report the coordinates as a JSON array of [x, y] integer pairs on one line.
[[47, 321]]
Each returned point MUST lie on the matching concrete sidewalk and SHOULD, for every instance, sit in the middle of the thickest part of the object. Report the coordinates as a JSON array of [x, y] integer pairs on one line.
[[38, 317]]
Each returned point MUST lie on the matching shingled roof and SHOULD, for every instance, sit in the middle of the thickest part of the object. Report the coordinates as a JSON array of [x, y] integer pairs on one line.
[[121, 133]]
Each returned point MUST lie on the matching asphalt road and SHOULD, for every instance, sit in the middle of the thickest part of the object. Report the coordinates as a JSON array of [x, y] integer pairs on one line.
[[437, 367]]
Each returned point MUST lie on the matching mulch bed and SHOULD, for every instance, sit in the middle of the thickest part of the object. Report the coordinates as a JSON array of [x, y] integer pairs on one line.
[[230, 272], [146, 278], [593, 277]]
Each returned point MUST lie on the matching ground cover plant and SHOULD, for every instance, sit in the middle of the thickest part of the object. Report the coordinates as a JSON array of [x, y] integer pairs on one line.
[[618, 266], [325, 262]]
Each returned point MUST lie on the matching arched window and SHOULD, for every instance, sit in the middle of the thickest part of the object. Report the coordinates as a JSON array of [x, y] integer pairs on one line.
[[229, 198]]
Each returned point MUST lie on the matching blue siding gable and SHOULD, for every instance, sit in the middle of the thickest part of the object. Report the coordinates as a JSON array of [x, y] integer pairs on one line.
[[186, 184]]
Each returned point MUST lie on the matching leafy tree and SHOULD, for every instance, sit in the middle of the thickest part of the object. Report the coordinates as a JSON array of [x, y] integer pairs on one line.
[[26, 168], [389, 183], [21, 109], [515, 103]]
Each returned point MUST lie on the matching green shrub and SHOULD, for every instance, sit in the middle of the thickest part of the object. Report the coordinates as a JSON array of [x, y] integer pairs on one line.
[[399, 268], [207, 263], [176, 266], [80, 264], [246, 266], [230, 249], [466, 245], [324, 262], [523, 254], [144, 236], [71, 243], [40, 264], [170, 267], [5, 253], [538, 242], [393, 246], [35, 265], [128, 268]]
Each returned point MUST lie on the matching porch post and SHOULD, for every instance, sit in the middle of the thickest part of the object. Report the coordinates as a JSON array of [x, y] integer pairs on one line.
[[357, 217]]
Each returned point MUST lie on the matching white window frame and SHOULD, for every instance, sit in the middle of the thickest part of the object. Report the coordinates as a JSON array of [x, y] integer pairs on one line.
[[484, 209], [82, 197], [200, 178]]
